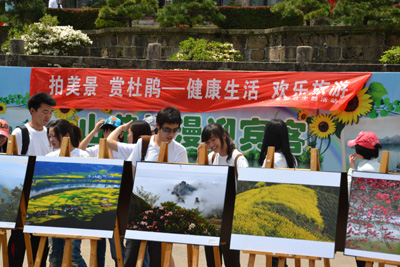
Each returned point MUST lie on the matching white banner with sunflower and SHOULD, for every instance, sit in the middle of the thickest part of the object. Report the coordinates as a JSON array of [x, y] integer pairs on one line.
[[374, 108]]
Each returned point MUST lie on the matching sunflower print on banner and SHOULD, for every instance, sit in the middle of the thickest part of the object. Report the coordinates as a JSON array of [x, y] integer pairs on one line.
[[322, 126], [358, 106], [67, 114]]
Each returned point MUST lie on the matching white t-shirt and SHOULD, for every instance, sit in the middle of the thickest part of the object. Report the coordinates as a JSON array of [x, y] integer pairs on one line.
[[176, 152], [124, 150], [222, 160], [371, 165], [279, 161], [53, 4], [39, 144], [76, 152], [94, 152]]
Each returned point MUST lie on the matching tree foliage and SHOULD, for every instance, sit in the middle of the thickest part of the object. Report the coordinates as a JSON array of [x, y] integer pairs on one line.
[[309, 9], [189, 13], [371, 12], [21, 12], [120, 13]]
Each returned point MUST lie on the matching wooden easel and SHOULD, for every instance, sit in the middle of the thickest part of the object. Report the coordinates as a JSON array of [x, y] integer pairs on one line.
[[104, 153], [65, 151], [12, 149], [269, 163], [383, 168], [166, 248]]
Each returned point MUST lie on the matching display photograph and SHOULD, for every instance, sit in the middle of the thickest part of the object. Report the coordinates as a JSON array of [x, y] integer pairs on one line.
[[177, 203], [373, 225], [12, 180], [289, 213], [74, 196]]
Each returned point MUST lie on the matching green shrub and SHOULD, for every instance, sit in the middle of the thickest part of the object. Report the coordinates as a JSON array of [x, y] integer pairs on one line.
[[189, 13], [391, 56], [205, 50], [79, 19], [256, 18]]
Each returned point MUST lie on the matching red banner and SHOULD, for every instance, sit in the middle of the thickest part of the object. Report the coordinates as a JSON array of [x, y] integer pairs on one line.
[[195, 91]]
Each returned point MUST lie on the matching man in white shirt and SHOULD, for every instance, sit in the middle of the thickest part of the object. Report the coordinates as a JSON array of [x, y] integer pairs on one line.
[[168, 122], [54, 4], [41, 108]]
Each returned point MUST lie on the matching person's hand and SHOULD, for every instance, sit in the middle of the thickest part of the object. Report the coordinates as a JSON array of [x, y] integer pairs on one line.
[[125, 127], [98, 125], [352, 160]]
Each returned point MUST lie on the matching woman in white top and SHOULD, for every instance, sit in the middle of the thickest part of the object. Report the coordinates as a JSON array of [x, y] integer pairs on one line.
[[366, 147], [55, 132], [223, 153], [276, 135]]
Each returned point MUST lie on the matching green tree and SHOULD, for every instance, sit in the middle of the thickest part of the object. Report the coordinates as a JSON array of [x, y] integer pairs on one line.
[[120, 13], [21, 12], [189, 13], [369, 12], [309, 9]]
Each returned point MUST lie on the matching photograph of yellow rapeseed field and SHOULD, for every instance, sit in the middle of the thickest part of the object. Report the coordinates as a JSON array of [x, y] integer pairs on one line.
[[74, 193], [12, 180], [294, 212]]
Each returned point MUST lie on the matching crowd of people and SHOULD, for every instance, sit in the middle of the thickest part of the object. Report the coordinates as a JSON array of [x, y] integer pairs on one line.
[[41, 137]]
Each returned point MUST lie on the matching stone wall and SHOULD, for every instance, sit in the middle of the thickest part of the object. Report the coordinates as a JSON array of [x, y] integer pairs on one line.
[[125, 63], [331, 44]]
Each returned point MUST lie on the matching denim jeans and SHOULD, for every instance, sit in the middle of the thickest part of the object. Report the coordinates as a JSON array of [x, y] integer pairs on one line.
[[56, 255], [101, 252], [77, 260]]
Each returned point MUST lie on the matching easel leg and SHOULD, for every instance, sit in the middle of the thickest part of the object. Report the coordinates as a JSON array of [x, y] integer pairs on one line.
[[28, 246], [195, 256], [142, 252], [190, 255], [368, 264], [39, 254], [281, 262], [117, 242], [327, 262], [217, 257], [167, 255], [297, 262], [311, 263], [252, 260], [67, 258], [93, 253], [268, 260], [3, 246], [381, 264]]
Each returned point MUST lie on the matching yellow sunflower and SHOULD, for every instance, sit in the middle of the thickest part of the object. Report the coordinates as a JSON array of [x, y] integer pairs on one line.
[[322, 126], [107, 111], [64, 113], [358, 106], [303, 115], [3, 108]]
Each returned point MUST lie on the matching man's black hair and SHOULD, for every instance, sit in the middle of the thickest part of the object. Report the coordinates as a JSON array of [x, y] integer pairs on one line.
[[169, 115], [36, 100]]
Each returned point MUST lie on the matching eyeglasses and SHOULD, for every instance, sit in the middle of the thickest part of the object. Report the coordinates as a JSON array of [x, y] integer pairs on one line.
[[169, 130]]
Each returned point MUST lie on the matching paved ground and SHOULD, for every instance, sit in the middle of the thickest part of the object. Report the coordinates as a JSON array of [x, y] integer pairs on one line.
[[180, 258]]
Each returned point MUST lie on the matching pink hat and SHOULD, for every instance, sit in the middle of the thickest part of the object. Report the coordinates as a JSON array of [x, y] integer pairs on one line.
[[365, 139], [4, 128]]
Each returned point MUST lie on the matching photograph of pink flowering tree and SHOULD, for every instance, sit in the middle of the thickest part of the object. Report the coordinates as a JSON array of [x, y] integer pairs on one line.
[[373, 221]]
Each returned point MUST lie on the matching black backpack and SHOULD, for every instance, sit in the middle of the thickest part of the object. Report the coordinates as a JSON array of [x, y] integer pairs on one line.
[[25, 139]]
